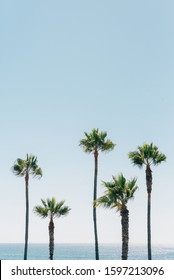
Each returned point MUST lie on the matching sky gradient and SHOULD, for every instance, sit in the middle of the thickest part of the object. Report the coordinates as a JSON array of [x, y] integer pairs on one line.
[[70, 66]]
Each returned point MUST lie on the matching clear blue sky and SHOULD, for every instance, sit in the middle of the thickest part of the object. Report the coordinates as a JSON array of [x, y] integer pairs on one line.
[[67, 67]]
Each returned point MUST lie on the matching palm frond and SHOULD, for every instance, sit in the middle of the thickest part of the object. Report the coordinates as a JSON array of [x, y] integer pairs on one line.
[[103, 201], [41, 211], [37, 172], [136, 158], [63, 211], [44, 203], [17, 170]]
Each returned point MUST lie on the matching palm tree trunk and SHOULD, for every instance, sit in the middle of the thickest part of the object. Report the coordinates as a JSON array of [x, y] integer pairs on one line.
[[125, 232], [149, 226], [149, 190], [94, 208], [27, 216], [51, 237]]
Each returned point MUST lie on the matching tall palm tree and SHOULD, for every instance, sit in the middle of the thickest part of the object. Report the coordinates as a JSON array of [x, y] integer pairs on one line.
[[147, 155], [52, 209], [93, 143], [118, 193], [25, 168]]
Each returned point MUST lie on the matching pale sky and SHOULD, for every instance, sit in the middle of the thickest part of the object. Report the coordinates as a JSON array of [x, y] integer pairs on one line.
[[70, 66]]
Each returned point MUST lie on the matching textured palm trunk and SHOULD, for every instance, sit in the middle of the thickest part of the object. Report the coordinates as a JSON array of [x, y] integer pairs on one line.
[[94, 208], [149, 190], [51, 237], [125, 232], [27, 216]]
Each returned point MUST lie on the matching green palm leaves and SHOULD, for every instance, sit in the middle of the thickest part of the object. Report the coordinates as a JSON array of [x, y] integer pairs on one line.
[[51, 209], [96, 141], [27, 166], [118, 193], [147, 154]]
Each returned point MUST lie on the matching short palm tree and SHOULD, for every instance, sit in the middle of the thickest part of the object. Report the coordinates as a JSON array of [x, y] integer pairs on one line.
[[93, 143], [147, 155], [25, 168], [118, 193], [51, 209]]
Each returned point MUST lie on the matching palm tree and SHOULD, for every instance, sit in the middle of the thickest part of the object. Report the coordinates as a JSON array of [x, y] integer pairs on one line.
[[118, 193], [52, 209], [25, 168], [147, 155], [93, 143]]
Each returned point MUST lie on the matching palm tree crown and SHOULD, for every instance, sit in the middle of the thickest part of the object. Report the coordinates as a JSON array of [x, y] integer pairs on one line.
[[118, 193], [27, 166], [147, 154], [51, 209], [96, 141]]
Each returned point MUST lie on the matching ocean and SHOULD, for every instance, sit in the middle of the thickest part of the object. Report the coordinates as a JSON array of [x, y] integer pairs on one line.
[[83, 252]]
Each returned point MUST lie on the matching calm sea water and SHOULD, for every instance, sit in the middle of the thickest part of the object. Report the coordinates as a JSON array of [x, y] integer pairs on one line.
[[83, 252]]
